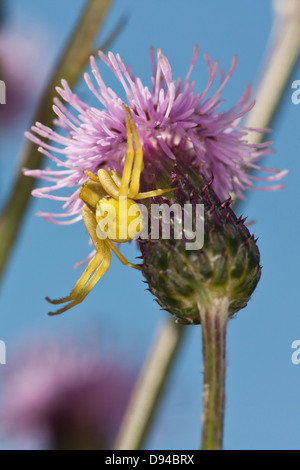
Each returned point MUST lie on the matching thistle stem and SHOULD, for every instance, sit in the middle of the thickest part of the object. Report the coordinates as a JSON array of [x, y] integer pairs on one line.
[[150, 386], [213, 328]]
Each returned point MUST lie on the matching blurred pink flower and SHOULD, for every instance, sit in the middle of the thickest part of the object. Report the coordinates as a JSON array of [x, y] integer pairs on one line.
[[20, 68], [65, 396]]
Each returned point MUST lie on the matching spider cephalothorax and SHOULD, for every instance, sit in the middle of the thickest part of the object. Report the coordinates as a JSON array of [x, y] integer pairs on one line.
[[102, 192]]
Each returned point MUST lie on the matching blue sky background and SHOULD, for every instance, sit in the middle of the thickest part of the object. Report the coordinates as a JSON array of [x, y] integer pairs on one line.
[[263, 407]]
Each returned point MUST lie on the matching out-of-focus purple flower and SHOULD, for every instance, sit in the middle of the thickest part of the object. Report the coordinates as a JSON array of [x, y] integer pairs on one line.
[[20, 70], [68, 398], [173, 123]]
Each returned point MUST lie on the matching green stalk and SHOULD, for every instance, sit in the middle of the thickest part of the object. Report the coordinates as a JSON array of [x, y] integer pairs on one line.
[[70, 65], [213, 328], [284, 50]]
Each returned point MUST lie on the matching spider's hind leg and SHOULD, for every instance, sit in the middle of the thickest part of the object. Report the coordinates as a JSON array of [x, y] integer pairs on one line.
[[86, 289], [92, 266], [119, 255], [96, 268]]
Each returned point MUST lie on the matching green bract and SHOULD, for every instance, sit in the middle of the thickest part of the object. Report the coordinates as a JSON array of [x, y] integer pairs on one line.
[[227, 267]]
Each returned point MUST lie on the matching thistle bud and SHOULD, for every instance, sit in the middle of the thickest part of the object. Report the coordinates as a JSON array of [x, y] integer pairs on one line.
[[226, 267]]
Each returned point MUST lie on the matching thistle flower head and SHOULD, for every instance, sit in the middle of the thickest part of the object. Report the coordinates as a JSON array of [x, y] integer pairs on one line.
[[174, 123], [64, 396], [226, 268]]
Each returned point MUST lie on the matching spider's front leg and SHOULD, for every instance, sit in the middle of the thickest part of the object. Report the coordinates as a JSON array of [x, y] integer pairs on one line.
[[133, 174], [109, 183]]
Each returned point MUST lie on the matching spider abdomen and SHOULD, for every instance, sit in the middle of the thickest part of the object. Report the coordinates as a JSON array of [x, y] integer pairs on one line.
[[119, 220]]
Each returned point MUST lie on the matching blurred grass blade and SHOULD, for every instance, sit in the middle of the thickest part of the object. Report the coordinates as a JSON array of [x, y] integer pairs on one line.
[[152, 381], [281, 58], [112, 36], [70, 66], [2, 12]]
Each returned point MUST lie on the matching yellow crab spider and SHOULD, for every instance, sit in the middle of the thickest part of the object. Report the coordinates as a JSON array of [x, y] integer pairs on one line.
[[112, 189]]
